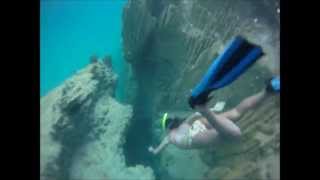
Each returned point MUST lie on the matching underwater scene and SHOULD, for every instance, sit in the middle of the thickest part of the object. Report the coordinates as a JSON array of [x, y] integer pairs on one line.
[[160, 89]]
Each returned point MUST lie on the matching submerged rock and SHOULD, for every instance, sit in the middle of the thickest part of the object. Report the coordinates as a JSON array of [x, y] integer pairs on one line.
[[82, 129]]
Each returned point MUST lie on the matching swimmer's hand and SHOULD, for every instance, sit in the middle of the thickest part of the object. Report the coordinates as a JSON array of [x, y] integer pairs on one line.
[[151, 149]]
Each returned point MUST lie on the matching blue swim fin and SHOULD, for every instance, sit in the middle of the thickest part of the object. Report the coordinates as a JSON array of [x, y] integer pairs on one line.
[[237, 57], [273, 85]]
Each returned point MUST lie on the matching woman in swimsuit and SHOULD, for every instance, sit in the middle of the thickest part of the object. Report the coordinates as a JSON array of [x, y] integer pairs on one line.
[[207, 128]]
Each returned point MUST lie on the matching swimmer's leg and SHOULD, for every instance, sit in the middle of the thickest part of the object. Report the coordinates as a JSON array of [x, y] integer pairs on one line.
[[246, 104], [223, 125]]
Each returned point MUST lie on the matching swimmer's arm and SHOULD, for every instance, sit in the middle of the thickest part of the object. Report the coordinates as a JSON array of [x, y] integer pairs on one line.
[[163, 144], [222, 124]]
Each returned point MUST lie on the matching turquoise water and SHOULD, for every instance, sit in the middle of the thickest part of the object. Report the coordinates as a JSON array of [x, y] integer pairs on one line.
[[72, 31]]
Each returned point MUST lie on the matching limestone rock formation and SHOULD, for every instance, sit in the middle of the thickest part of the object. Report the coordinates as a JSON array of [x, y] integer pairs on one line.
[[83, 127]]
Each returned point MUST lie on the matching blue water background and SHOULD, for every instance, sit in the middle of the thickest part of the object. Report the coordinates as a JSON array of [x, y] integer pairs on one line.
[[73, 30]]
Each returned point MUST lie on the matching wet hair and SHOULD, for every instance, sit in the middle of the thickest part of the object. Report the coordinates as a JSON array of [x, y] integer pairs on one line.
[[173, 122]]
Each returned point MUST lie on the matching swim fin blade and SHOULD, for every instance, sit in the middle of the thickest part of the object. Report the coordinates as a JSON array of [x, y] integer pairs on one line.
[[236, 58]]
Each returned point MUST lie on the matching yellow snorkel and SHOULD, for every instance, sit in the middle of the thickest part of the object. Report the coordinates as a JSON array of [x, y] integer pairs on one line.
[[163, 121]]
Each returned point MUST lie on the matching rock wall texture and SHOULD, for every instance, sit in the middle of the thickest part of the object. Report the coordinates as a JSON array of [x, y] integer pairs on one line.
[[257, 156], [169, 45], [82, 129]]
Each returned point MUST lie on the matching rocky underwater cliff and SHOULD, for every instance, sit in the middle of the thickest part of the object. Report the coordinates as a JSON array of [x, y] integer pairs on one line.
[[82, 129], [169, 44]]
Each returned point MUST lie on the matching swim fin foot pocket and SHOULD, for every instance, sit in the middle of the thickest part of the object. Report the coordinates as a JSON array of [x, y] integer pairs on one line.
[[273, 85], [202, 99]]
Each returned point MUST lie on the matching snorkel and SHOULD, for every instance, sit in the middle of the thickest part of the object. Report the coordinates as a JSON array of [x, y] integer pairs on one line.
[[163, 121]]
